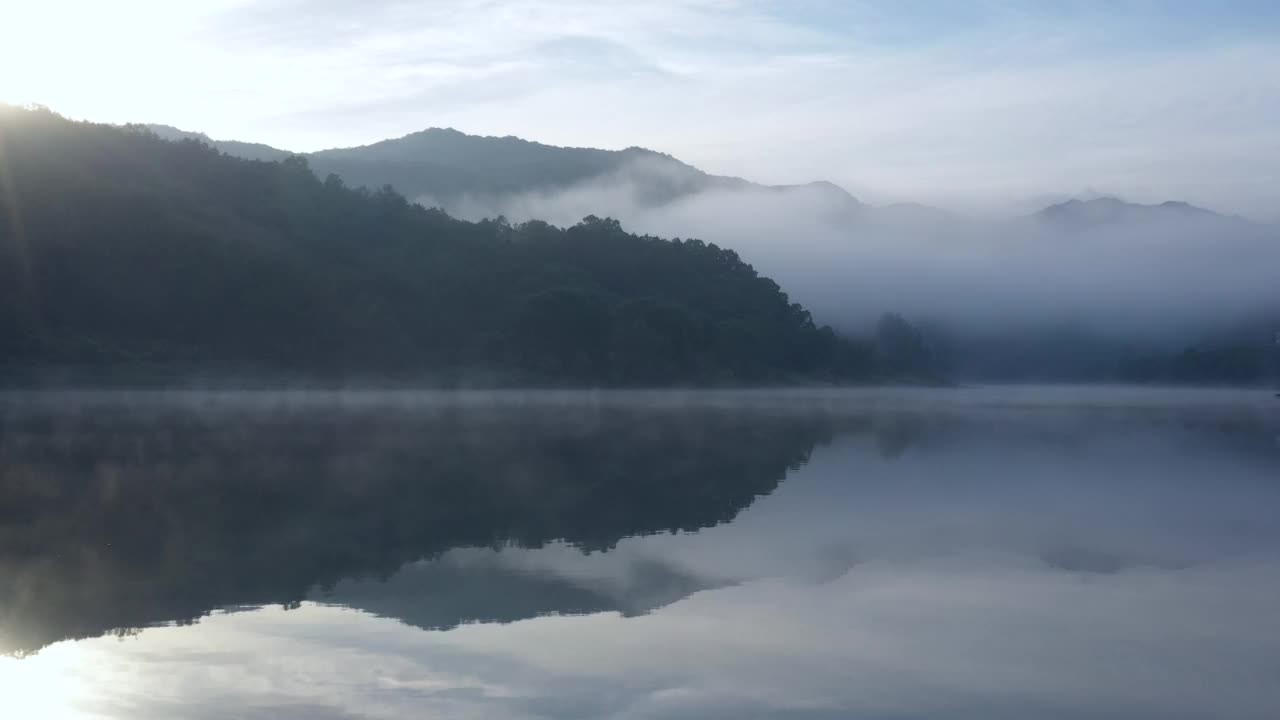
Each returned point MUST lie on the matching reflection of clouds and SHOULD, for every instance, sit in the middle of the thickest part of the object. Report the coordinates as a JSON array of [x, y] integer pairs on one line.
[[1002, 567], [976, 636], [953, 635], [1091, 497]]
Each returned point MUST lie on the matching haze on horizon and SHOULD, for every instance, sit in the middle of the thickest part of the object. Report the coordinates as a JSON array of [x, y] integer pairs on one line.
[[976, 106]]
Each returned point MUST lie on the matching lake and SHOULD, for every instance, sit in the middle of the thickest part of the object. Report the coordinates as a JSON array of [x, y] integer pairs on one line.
[[818, 554]]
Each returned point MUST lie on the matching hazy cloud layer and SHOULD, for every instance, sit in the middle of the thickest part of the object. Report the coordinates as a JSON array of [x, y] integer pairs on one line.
[[850, 262]]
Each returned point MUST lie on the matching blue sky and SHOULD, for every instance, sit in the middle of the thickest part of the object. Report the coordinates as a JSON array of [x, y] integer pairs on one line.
[[1115, 24], [979, 104]]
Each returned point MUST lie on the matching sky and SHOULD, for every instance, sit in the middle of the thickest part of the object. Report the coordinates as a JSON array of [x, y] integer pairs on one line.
[[984, 104]]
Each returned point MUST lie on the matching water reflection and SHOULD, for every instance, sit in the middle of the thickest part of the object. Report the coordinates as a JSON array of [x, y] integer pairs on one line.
[[119, 516], [985, 556]]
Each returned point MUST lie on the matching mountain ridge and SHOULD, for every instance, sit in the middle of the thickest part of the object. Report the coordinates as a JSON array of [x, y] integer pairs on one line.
[[449, 168], [446, 165], [140, 256], [1076, 213]]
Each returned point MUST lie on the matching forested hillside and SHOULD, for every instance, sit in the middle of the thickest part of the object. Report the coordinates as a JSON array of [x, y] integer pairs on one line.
[[119, 250]]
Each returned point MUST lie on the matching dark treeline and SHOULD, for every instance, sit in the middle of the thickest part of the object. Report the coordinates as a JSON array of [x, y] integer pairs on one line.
[[123, 516], [1208, 364], [1072, 353], [121, 251]]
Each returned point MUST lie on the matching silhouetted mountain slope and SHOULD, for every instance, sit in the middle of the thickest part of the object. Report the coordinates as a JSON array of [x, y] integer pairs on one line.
[[246, 150], [124, 250], [444, 161]]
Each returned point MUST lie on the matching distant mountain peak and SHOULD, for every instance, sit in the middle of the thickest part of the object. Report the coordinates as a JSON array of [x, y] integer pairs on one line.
[[1079, 214], [827, 186], [169, 132], [250, 151], [1112, 202]]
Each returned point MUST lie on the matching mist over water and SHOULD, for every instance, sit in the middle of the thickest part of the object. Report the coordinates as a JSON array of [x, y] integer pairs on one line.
[[473, 394], [392, 360], [979, 553]]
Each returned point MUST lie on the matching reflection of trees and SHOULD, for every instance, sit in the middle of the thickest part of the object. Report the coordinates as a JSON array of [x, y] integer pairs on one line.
[[113, 519]]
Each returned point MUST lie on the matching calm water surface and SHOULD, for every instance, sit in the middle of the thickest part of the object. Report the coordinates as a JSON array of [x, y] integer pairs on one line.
[[1007, 553]]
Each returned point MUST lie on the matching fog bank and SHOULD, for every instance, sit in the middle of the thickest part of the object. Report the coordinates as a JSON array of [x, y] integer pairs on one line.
[[1145, 270]]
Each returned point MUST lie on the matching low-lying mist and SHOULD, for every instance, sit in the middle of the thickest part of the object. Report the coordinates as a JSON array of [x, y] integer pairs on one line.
[[1160, 273]]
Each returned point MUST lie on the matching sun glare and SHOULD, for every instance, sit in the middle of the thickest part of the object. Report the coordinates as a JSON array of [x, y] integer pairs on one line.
[[85, 58], [47, 685], [40, 48]]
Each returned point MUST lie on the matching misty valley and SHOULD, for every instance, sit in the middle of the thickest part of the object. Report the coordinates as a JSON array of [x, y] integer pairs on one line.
[[277, 445], [604, 360]]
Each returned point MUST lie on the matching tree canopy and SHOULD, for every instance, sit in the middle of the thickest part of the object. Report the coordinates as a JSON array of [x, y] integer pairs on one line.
[[121, 250]]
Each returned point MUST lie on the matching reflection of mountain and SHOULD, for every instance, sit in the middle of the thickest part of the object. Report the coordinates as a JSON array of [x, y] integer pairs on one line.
[[117, 518], [127, 516], [479, 586]]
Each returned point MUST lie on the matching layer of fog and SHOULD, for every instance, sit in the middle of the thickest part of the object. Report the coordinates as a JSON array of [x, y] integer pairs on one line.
[[849, 262]]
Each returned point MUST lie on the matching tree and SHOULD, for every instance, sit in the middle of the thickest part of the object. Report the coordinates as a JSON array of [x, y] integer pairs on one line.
[[901, 347], [141, 253]]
